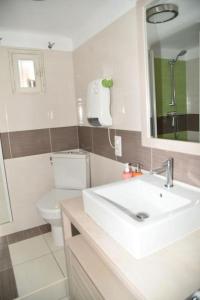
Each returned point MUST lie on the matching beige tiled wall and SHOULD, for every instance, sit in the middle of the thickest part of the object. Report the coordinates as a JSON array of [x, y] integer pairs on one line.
[[32, 125], [113, 52], [29, 178], [53, 108], [104, 170]]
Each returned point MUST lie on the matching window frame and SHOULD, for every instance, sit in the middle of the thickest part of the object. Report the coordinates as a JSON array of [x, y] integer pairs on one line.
[[37, 57]]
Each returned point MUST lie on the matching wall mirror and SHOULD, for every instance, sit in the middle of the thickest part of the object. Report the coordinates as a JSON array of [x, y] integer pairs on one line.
[[173, 43], [27, 71]]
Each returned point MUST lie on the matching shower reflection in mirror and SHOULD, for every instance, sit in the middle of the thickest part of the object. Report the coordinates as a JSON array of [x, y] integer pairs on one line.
[[173, 37]]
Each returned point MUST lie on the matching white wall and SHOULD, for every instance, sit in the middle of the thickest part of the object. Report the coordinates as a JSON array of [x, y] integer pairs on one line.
[[104, 170], [113, 52], [54, 108], [31, 177]]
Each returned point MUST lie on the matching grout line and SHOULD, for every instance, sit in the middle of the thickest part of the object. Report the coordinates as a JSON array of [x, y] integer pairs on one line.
[[115, 133], [41, 289], [52, 252], [58, 263], [29, 260], [78, 137], [8, 131], [50, 139], [6, 268], [46, 254], [10, 149], [92, 140], [46, 241]]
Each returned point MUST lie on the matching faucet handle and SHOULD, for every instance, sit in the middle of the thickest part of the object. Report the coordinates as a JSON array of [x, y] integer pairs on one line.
[[168, 162]]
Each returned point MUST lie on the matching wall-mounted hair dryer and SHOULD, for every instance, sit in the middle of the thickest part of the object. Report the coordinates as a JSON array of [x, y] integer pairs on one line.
[[98, 102]]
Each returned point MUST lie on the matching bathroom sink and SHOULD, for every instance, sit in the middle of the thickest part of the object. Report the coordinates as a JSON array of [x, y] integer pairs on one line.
[[142, 215]]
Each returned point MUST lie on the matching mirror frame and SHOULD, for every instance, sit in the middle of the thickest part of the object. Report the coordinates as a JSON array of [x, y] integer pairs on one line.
[[147, 139]]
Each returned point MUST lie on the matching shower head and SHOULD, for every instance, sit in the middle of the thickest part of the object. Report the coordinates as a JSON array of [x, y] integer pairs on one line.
[[174, 60], [161, 13], [181, 53]]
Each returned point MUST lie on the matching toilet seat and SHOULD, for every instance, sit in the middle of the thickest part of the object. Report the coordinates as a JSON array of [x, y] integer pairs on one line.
[[49, 204]]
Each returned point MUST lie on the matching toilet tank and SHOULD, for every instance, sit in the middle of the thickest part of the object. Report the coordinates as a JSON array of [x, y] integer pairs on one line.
[[71, 169]]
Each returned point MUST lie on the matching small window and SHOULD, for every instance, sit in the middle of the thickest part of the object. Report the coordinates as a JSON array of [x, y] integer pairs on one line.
[[27, 78], [27, 71]]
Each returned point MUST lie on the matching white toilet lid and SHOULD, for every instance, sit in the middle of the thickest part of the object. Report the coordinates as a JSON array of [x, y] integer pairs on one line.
[[51, 201]]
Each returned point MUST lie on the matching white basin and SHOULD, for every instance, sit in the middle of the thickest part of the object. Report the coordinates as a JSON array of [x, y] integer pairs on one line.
[[142, 215]]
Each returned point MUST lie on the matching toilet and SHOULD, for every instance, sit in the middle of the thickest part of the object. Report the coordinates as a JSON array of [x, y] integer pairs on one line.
[[71, 176]]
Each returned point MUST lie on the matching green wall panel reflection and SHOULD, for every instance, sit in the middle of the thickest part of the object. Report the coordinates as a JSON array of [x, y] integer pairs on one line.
[[163, 86], [179, 135]]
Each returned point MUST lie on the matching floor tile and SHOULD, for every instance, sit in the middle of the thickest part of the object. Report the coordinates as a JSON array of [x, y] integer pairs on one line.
[[55, 291], [23, 235], [50, 242], [3, 242], [29, 249], [60, 258], [5, 260], [35, 274], [8, 290]]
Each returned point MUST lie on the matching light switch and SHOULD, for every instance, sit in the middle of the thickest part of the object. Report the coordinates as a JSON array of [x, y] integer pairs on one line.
[[118, 145]]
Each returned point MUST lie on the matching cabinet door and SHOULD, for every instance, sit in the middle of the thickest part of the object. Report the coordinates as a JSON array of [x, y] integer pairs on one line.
[[81, 286]]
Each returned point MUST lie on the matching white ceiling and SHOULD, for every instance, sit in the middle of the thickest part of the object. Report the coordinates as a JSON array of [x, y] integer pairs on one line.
[[180, 33], [59, 20], [187, 38]]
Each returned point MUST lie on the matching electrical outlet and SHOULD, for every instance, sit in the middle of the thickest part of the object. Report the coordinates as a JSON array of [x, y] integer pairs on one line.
[[118, 145]]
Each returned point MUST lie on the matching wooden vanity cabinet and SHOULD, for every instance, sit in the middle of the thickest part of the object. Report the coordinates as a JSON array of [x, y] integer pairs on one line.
[[89, 277]]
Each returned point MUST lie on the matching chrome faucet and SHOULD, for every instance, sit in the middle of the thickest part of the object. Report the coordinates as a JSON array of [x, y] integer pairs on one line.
[[168, 168]]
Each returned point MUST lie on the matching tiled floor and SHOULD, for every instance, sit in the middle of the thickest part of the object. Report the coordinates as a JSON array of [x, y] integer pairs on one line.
[[33, 268]]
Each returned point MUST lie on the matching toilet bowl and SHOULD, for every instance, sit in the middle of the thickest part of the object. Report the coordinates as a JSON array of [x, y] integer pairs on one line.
[[71, 175], [49, 208]]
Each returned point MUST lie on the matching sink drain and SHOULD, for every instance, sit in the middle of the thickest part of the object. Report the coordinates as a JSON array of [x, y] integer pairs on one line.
[[142, 216]]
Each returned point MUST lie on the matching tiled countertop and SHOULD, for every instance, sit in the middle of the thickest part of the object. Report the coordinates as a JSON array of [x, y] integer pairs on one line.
[[172, 273]]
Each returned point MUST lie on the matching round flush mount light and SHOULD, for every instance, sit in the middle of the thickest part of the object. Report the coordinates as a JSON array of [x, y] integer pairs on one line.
[[161, 13]]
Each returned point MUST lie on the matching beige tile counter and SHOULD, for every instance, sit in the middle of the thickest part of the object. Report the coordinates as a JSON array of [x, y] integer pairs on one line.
[[172, 273]]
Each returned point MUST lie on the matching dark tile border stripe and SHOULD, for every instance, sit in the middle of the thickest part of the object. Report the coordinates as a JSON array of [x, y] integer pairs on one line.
[[184, 122], [8, 288], [64, 138], [30, 142], [33, 142], [27, 234], [95, 140], [5, 144]]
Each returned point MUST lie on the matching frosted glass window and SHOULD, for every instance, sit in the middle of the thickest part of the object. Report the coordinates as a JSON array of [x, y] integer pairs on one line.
[[26, 73]]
